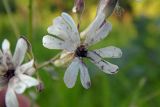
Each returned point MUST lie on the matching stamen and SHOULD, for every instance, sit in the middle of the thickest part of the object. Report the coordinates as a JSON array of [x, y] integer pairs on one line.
[[9, 74], [81, 51]]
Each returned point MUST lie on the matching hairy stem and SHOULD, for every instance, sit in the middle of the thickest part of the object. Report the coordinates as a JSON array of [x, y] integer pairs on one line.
[[50, 61]]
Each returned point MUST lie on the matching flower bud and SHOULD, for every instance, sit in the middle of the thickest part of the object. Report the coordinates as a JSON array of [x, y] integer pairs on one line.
[[40, 87], [78, 6], [107, 7]]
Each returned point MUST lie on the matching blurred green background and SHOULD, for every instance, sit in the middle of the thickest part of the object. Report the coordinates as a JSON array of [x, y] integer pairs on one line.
[[136, 31]]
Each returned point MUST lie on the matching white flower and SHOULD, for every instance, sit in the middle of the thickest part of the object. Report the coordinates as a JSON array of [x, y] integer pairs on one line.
[[67, 38], [13, 74]]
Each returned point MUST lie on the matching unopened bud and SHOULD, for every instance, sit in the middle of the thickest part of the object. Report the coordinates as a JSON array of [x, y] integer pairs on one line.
[[40, 87], [78, 6], [107, 7]]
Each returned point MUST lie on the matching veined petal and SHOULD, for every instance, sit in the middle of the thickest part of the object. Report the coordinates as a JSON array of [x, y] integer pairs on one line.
[[58, 31], [98, 35], [75, 35], [10, 98], [102, 64], [93, 27], [64, 28], [109, 52], [25, 67], [51, 42], [20, 51], [84, 76], [71, 73], [29, 81]]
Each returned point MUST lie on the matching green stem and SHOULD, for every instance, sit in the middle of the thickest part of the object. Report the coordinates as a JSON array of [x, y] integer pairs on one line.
[[51, 61], [30, 32], [9, 13]]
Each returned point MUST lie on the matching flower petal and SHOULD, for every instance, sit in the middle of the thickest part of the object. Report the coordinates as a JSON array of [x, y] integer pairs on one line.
[[84, 75], [109, 52], [30, 71], [102, 64], [99, 34], [5, 46], [93, 27], [20, 87], [64, 27], [10, 98], [51, 42], [7, 56], [25, 67], [20, 51], [70, 21], [58, 30], [71, 73], [29, 81]]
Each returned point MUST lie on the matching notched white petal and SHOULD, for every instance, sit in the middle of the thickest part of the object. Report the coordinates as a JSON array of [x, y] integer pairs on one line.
[[109, 52], [10, 98], [70, 21], [75, 35], [102, 64], [20, 51], [84, 76], [71, 73]]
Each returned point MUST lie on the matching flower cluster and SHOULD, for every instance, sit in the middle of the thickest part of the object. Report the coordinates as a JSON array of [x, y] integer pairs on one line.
[[75, 46], [13, 74], [63, 35]]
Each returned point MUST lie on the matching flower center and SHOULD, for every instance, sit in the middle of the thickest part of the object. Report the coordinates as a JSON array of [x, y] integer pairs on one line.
[[81, 51], [9, 74]]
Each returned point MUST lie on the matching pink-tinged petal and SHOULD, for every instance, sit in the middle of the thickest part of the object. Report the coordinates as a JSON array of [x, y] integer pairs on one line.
[[20, 51], [10, 98], [102, 64], [71, 73], [109, 52], [84, 76]]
